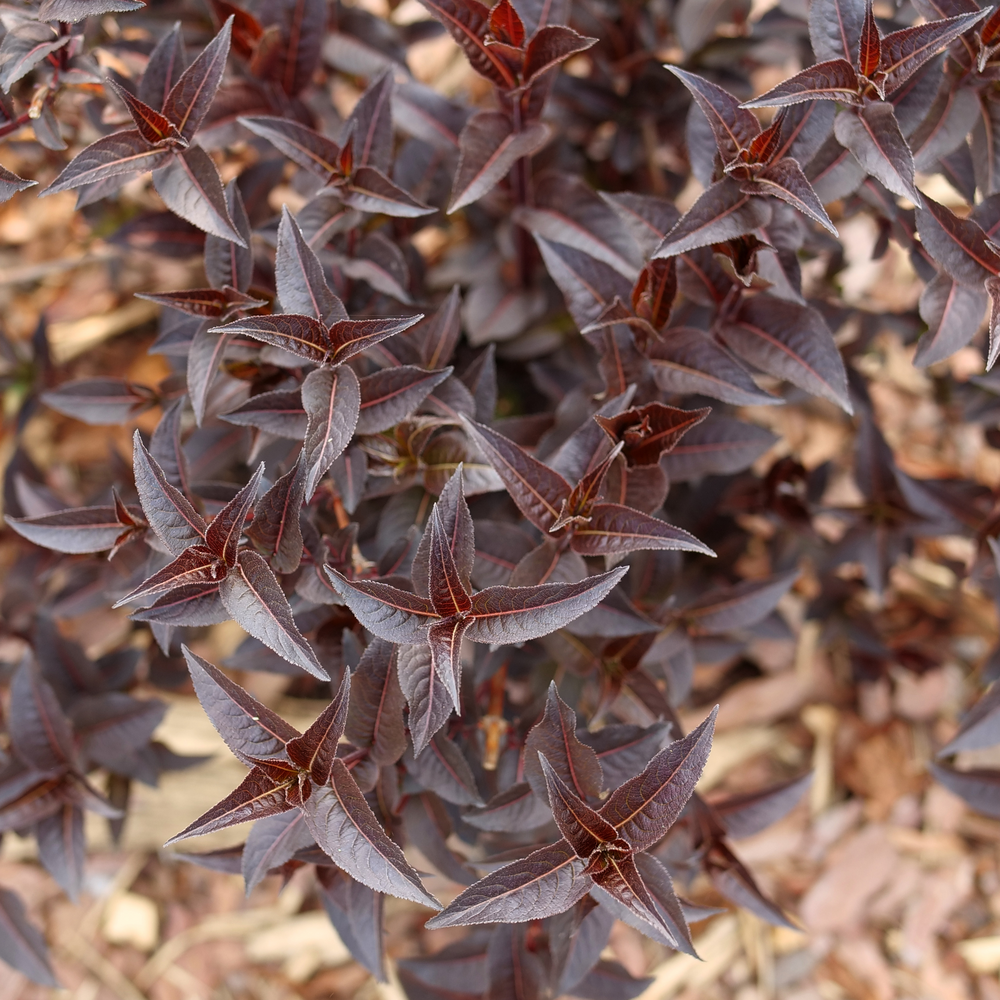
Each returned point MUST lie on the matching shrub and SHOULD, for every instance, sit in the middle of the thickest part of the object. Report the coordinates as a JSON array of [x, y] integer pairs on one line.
[[473, 440]]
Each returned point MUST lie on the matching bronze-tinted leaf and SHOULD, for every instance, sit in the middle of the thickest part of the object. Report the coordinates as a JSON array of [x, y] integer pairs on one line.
[[872, 134], [786, 181], [733, 126], [644, 808], [388, 612], [191, 96], [299, 143], [375, 720], [114, 155], [614, 529], [468, 22], [549, 47], [583, 827], [22, 945], [331, 398], [835, 80], [195, 565]]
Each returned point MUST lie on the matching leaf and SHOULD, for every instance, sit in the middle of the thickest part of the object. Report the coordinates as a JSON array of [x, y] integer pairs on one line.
[[953, 313], [100, 401], [22, 945], [789, 341], [903, 52], [567, 212], [515, 970], [741, 606], [613, 529], [25, 45], [316, 749], [61, 848], [251, 730], [835, 28], [386, 611], [279, 412], [195, 604], [554, 735], [979, 728], [111, 156], [255, 600], [227, 263], [346, 829], [722, 212], [733, 880], [391, 395], [301, 284], [686, 361], [302, 336], [301, 144], [357, 914], [370, 124], [427, 827], [514, 810], [331, 398], [224, 533], [204, 356], [10, 184], [191, 188], [488, 147], [650, 431], [375, 719], [276, 530], [873, 136], [271, 842], [443, 769], [467, 22], [734, 127], [73, 11], [537, 490], [257, 796], [75, 531], [545, 883], [429, 702], [979, 787], [589, 286], [786, 181], [349, 337], [517, 614], [40, 734], [719, 446], [746, 815], [959, 245], [646, 806], [835, 80], [191, 96], [153, 127], [369, 190], [584, 828], [657, 881], [618, 875], [654, 292], [551, 46], [165, 66], [195, 565]]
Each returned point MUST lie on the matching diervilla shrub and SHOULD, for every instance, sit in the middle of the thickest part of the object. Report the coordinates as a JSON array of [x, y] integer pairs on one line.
[[484, 503]]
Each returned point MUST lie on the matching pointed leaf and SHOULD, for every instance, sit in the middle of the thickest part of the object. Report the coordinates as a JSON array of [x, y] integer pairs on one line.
[[165, 66], [257, 796], [386, 611], [191, 96], [826, 81], [537, 490], [279, 412], [789, 341], [734, 127], [468, 23], [835, 28], [906, 50], [959, 245], [745, 815], [488, 148], [302, 336], [549, 47], [584, 828], [738, 607], [517, 614], [75, 531], [981, 726], [872, 134], [195, 565], [444, 638], [349, 337], [375, 719], [316, 749], [646, 806], [953, 313], [152, 126], [786, 181], [111, 156], [191, 188], [40, 734], [271, 842], [687, 362], [226, 262], [621, 879], [331, 398], [391, 395], [224, 533], [369, 190], [61, 848], [428, 699], [302, 286], [276, 529], [721, 212], [357, 914], [346, 829], [545, 883], [257, 603], [22, 945], [614, 529], [301, 144]]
